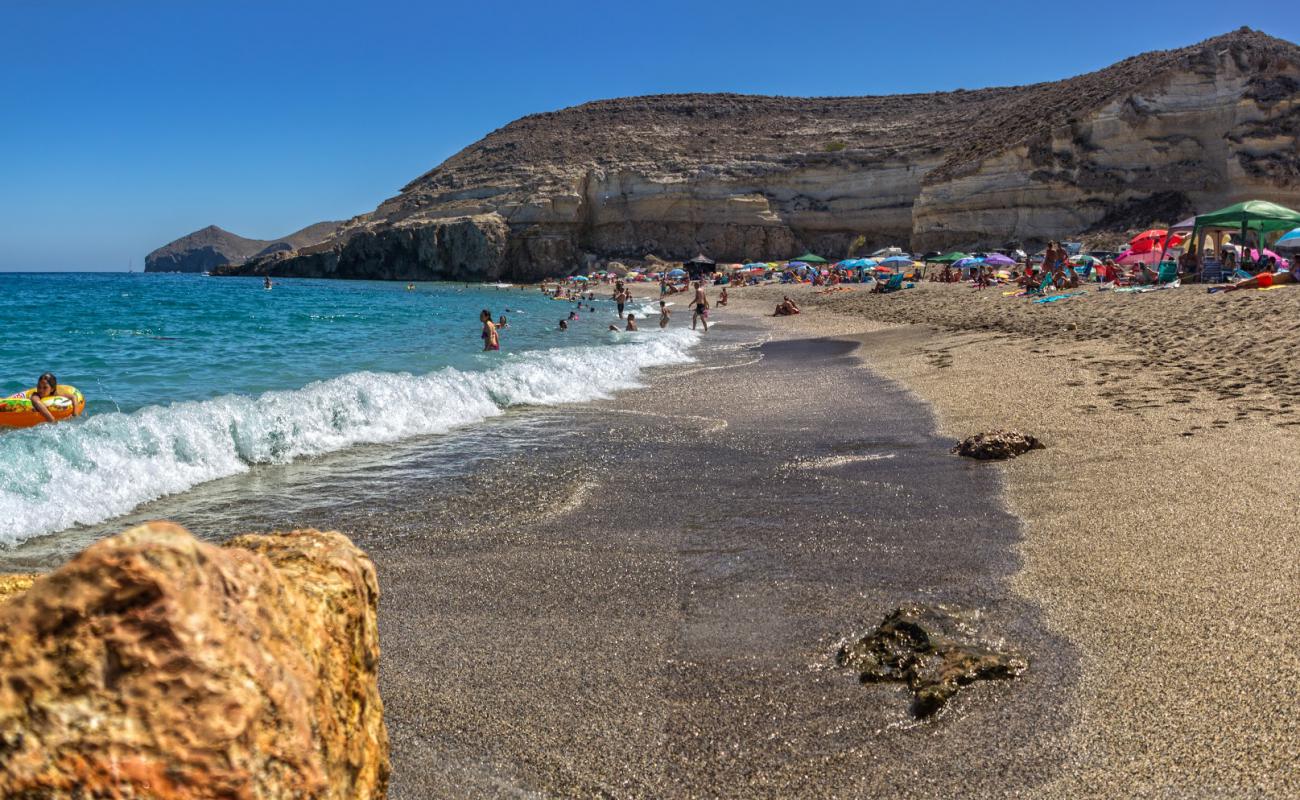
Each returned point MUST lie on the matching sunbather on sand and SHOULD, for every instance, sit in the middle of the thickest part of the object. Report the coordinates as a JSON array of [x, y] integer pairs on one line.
[[1269, 277], [785, 308]]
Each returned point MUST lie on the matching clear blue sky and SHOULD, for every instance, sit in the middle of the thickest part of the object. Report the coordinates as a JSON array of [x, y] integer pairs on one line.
[[127, 124]]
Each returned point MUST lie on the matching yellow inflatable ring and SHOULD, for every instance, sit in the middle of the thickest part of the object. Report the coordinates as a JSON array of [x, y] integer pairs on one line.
[[16, 411]]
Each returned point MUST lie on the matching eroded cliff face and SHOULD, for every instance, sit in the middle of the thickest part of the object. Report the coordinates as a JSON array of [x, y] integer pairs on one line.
[[746, 177], [1221, 130]]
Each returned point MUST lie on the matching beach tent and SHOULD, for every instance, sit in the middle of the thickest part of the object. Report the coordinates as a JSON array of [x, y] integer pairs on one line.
[[1255, 215], [810, 258], [948, 258]]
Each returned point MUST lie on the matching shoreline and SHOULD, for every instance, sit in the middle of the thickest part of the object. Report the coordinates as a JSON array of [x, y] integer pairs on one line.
[[608, 610], [1173, 573]]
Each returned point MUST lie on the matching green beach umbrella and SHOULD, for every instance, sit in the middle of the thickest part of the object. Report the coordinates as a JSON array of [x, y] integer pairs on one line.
[[810, 258], [948, 258]]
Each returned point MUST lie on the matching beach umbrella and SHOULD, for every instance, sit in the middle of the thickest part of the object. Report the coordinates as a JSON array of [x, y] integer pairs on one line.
[[902, 260], [797, 265], [674, 273], [969, 262], [1083, 261], [948, 258], [1130, 256], [811, 258], [1147, 240], [998, 260], [582, 278], [1289, 240]]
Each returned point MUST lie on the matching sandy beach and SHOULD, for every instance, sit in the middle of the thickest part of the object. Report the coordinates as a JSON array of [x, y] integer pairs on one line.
[[1160, 526]]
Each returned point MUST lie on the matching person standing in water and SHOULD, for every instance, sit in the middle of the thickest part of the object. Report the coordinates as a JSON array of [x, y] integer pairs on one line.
[[631, 321], [701, 306], [663, 315], [267, 284], [620, 296], [491, 341]]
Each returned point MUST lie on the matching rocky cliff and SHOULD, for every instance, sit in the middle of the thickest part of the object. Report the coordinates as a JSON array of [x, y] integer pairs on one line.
[[212, 247], [749, 177]]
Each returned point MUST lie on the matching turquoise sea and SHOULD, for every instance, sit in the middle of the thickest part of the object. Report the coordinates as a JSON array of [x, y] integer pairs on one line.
[[189, 379]]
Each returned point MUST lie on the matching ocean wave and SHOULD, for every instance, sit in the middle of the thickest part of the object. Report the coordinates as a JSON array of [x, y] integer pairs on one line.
[[84, 472]]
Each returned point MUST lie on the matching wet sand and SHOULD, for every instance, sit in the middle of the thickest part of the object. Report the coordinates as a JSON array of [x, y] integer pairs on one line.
[[1162, 534]]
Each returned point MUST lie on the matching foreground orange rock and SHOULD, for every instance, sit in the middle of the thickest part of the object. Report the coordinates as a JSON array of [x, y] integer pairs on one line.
[[154, 665]]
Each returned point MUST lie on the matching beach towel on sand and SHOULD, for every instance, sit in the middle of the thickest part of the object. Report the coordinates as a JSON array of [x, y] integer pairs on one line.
[[1056, 297]]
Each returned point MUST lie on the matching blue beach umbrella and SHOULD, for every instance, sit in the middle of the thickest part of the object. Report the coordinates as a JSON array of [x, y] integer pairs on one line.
[[1290, 239], [673, 273], [897, 260]]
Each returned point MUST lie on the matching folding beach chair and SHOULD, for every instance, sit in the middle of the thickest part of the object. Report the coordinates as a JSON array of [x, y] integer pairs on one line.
[[1168, 272], [1212, 271], [894, 283]]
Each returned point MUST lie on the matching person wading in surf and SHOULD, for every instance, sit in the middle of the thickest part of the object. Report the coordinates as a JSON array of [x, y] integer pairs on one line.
[[490, 339], [701, 306]]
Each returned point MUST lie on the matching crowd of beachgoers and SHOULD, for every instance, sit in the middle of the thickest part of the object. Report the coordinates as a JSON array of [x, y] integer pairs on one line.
[[1228, 249]]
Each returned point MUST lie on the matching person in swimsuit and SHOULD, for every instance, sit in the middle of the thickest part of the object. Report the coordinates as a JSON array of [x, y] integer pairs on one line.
[[631, 322], [701, 305], [722, 298], [490, 339], [503, 323], [1271, 275], [663, 314], [785, 308], [47, 386], [564, 326], [267, 285]]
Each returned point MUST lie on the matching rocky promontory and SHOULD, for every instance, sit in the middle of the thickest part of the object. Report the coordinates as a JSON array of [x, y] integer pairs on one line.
[[742, 177], [213, 247], [154, 665]]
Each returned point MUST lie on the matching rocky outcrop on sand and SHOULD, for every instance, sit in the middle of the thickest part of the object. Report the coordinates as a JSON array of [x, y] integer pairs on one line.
[[997, 445], [154, 665], [935, 650], [213, 247], [742, 177]]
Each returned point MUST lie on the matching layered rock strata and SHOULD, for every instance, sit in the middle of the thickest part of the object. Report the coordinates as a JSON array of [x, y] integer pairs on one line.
[[154, 665], [747, 177]]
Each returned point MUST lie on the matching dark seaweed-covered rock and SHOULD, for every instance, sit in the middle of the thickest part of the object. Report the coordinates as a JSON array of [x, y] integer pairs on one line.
[[993, 445], [935, 650]]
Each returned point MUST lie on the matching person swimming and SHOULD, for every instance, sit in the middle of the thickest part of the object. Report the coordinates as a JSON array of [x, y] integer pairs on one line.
[[631, 321], [564, 325], [47, 386], [490, 339], [267, 283]]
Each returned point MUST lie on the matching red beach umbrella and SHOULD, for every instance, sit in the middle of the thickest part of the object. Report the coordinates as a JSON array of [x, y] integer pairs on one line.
[[1147, 240]]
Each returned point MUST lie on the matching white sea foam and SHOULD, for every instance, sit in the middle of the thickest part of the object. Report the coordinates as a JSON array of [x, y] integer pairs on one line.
[[87, 471]]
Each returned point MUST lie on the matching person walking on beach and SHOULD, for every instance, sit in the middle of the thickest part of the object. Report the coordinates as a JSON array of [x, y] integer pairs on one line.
[[491, 341], [701, 305], [663, 315]]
